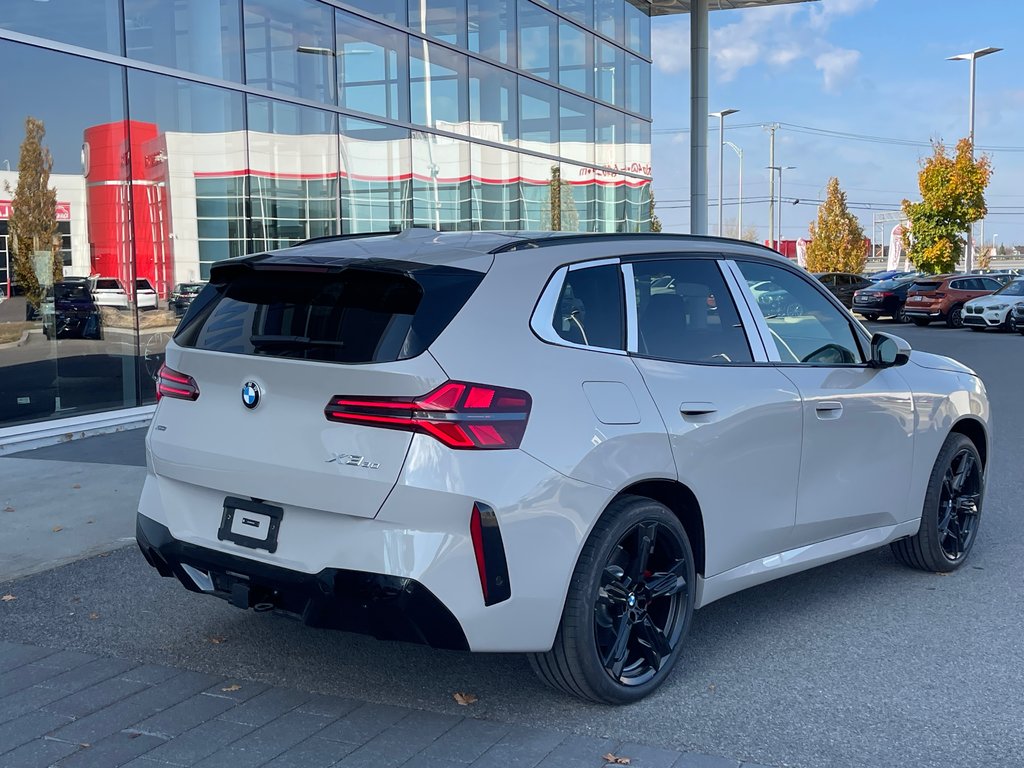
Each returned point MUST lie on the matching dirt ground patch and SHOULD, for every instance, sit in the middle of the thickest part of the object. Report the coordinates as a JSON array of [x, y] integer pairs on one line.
[[158, 318], [12, 331]]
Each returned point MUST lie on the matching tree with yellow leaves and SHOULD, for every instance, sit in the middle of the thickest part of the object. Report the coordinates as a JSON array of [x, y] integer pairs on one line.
[[952, 198], [837, 239]]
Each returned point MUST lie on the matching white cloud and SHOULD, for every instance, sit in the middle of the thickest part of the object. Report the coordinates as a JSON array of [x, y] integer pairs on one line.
[[822, 15], [670, 47], [836, 65]]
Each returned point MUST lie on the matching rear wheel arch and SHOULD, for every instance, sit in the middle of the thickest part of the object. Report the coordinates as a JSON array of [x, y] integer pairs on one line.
[[683, 504], [974, 431]]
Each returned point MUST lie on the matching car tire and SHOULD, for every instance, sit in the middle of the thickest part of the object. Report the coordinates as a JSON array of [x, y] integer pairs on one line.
[[955, 318], [1008, 324], [952, 510], [920, 322], [901, 316], [606, 648]]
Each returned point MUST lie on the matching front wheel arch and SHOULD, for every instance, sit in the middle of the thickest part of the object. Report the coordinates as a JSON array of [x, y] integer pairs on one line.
[[974, 431]]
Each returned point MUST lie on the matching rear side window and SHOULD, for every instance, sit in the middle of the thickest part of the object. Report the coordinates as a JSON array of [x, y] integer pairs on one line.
[[590, 308], [686, 313], [352, 316]]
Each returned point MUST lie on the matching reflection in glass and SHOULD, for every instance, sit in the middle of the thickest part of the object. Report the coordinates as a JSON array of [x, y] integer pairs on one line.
[[496, 203], [575, 58], [200, 36], [293, 173], [638, 30], [63, 353], [493, 103], [610, 199], [392, 10], [376, 177], [577, 198], [443, 19], [95, 24], [576, 128], [372, 73], [637, 208], [610, 18], [289, 47], [438, 79], [638, 85], [538, 116], [610, 133], [608, 73], [581, 11], [637, 148], [441, 188], [492, 29], [538, 40]]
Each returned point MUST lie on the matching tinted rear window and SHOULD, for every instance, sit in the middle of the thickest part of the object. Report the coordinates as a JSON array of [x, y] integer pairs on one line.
[[108, 285], [143, 285], [921, 286], [352, 316]]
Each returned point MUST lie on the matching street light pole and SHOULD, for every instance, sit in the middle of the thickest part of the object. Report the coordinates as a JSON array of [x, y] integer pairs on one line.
[[972, 57], [739, 215], [721, 154], [780, 169]]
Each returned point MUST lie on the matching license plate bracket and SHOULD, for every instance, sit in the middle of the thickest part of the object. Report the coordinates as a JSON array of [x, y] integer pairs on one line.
[[250, 523]]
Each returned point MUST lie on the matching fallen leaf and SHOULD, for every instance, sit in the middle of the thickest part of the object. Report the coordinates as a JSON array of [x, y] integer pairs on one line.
[[84, 744], [615, 759], [216, 639], [8, 509], [941, 573], [711, 688], [89, 522], [464, 699], [58, 528], [231, 688], [93, 616], [76, 486], [8, 597]]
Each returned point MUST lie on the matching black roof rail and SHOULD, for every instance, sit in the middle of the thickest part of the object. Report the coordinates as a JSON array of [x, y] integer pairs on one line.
[[348, 236], [557, 238]]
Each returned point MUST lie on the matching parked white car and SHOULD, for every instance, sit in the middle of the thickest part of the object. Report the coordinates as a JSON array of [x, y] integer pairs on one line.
[[996, 309], [145, 295], [552, 444], [109, 292]]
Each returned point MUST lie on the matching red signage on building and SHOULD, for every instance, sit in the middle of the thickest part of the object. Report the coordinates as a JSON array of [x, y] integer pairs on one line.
[[63, 210]]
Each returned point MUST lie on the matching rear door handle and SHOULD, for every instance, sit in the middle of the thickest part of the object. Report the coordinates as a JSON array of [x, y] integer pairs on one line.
[[697, 409], [829, 409]]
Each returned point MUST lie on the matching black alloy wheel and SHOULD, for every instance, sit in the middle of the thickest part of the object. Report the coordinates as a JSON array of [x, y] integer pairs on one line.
[[901, 315], [952, 510], [1009, 325], [628, 607], [955, 318]]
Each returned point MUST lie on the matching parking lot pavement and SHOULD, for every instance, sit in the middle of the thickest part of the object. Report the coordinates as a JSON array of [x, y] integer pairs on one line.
[[74, 709], [858, 663]]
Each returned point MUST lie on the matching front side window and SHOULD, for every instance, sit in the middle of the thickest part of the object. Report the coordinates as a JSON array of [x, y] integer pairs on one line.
[[806, 327], [589, 311], [686, 314]]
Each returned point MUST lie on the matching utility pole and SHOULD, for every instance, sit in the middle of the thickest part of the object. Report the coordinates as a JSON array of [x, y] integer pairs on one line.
[[771, 128]]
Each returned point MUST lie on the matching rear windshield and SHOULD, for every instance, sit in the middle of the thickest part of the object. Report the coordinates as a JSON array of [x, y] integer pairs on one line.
[[922, 286], [143, 285], [108, 284], [70, 291], [352, 316]]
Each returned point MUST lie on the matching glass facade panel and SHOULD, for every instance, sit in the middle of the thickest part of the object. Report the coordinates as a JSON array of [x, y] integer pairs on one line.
[[493, 103], [289, 47], [95, 24], [63, 353], [638, 30], [440, 87], [158, 176], [293, 173], [492, 29], [200, 36], [376, 177], [575, 58], [538, 40], [443, 19], [372, 73]]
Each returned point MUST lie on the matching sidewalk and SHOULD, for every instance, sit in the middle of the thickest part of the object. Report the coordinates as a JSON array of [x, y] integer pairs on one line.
[[78, 709]]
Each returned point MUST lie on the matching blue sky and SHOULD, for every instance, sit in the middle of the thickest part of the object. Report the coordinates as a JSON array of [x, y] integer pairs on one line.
[[869, 67]]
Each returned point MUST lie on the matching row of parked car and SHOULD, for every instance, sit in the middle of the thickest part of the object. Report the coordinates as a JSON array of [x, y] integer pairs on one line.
[[980, 300]]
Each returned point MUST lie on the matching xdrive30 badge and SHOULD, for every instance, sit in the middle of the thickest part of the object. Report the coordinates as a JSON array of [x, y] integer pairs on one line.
[[251, 394], [349, 460]]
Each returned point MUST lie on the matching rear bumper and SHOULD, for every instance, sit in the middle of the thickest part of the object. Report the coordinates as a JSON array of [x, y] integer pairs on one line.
[[386, 607], [911, 311]]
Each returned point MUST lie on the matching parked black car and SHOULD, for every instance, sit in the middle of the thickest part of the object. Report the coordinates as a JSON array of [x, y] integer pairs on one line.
[[74, 311], [843, 284], [182, 296], [886, 298]]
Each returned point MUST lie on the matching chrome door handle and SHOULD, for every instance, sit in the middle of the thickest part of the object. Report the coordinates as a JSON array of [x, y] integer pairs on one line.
[[697, 409], [829, 409]]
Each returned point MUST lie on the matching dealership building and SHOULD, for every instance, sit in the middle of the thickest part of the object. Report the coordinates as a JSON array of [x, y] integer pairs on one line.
[[185, 132]]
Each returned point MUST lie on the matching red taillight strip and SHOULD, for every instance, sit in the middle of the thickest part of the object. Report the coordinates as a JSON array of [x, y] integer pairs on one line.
[[458, 414], [167, 378]]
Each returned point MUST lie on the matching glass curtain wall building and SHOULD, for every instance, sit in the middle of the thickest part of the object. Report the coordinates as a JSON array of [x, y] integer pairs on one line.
[[185, 132]]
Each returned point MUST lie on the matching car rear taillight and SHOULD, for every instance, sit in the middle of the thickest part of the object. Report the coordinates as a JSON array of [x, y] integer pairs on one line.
[[459, 414], [171, 383], [885, 294]]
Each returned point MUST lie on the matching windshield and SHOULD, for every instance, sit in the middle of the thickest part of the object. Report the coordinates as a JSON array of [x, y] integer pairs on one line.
[[1016, 288], [65, 291]]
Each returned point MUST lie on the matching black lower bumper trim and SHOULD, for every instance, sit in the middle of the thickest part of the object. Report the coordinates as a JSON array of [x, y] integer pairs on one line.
[[386, 607]]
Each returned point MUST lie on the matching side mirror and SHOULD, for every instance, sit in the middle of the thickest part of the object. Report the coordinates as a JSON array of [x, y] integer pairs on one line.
[[888, 351]]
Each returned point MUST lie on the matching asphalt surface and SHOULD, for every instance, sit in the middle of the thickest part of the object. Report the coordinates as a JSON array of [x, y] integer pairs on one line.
[[859, 663]]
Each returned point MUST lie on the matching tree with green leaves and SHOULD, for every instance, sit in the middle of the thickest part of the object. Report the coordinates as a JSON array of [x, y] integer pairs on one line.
[[655, 221], [562, 205], [33, 224], [952, 198], [836, 238]]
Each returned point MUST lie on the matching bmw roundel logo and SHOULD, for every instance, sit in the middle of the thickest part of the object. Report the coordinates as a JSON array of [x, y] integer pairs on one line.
[[250, 394]]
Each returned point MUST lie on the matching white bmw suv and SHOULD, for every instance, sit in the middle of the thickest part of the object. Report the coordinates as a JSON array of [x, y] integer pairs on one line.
[[554, 444]]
